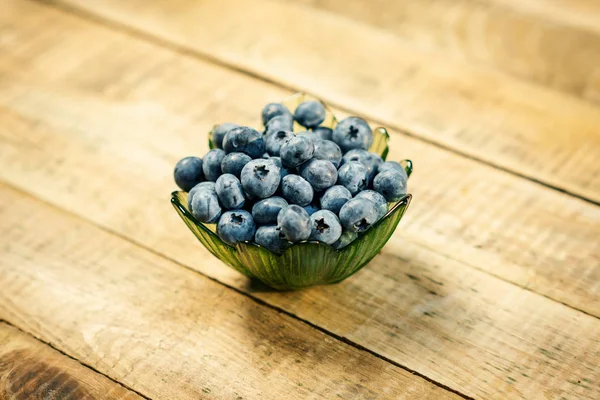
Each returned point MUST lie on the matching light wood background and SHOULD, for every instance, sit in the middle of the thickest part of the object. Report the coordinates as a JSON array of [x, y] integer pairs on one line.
[[489, 289]]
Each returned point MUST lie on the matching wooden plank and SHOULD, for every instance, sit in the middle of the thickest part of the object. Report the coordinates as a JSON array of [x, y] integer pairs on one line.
[[128, 119], [32, 370], [506, 37], [98, 135], [165, 331], [577, 13], [523, 128]]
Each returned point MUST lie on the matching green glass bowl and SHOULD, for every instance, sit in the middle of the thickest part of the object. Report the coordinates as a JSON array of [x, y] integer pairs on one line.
[[307, 263]]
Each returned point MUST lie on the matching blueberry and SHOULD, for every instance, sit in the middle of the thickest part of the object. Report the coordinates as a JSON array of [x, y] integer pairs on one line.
[[236, 226], [296, 151], [296, 190], [311, 208], [275, 140], [229, 191], [219, 133], [358, 215], [321, 174], [212, 164], [266, 211], [353, 133], [294, 222], [323, 132], [353, 176], [310, 135], [245, 140], [392, 165], [391, 184], [325, 227], [205, 206], [201, 186], [260, 178], [328, 150], [188, 173], [280, 123], [368, 159], [284, 170], [310, 114], [377, 199], [272, 110], [233, 163], [271, 238], [344, 240], [334, 198]]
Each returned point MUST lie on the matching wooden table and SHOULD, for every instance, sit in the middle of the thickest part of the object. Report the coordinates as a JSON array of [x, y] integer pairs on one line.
[[489, 289]]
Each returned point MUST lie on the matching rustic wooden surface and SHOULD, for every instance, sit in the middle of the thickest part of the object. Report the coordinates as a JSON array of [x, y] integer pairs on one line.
[[490, 288]]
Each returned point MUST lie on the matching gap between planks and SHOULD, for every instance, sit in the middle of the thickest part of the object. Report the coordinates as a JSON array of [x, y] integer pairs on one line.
[[247, 295], [203, 56], [91, 368]]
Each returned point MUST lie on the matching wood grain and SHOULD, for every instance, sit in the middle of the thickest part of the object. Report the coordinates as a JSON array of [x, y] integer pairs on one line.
[[166, 331], [521, 127], [577, 13], [505, 37], [31, 370], [98, 135], [125, 111]]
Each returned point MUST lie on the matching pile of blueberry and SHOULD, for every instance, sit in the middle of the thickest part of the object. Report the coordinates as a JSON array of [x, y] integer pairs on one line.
[[278, 187]]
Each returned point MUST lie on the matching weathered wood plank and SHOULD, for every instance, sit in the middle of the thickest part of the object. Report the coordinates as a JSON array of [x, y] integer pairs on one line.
[[126, 118], [524, 128], [98, 135], [507, 37], [31, 370], [165, 331]]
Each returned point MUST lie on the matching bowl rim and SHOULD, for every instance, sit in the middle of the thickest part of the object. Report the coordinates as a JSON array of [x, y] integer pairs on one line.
[[404, 202]]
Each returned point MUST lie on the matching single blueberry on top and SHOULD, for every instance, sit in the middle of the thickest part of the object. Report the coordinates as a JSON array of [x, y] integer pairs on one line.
[[208, 185], [266, 211], [353, 176], [272, 238], [296, 151], [328, 150], [310, 114], [377, 199], [353, 133], [296, 190], [236, 226], [188, 173], [205, 206], [280, 123], [294, 222], [233, 163], [367, 158], [325, 227], [344, 240], [245, 140], [273, 110], [219, 133], [275, 140], [229, 191], [212, 164], [358, 215], [391, 184], [334, 198], [321, 174], [260, 178], [323, 132]]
